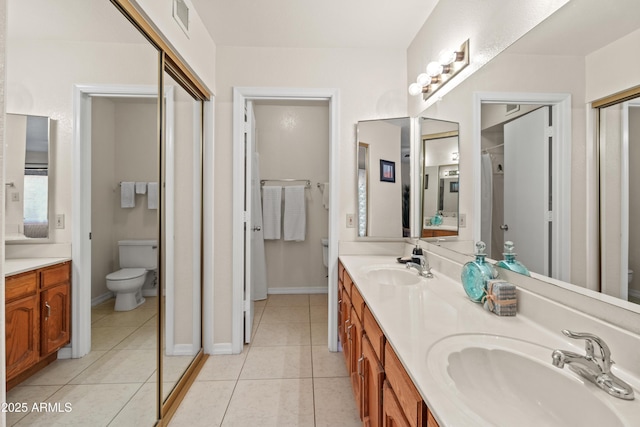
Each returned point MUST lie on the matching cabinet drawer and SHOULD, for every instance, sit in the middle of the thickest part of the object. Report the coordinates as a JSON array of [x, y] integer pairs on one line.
[[357, 301], [54, 275], [373, 331], [408, 397], [20, 285]]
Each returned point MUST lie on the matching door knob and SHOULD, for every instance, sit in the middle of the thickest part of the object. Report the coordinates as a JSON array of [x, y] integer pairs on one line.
[[504, 227], [257, 228]]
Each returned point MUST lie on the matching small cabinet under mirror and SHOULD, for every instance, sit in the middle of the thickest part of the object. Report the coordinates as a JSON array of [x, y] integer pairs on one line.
[[383, 184], [440, 183], [27, 177]]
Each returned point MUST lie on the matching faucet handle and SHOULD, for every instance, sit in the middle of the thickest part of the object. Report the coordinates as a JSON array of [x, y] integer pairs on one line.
[[590, 342]]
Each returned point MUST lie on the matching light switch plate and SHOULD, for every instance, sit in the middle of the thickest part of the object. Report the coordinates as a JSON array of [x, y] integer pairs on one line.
[[462, 220], [15, 196], [351, 221], [60, 221]]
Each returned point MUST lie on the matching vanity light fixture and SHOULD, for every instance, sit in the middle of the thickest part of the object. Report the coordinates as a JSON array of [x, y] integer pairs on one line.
[[449, 63]]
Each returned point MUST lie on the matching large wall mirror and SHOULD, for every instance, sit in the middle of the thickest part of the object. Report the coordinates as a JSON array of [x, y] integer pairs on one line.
[[384, 183], [440, 177], [27, 177], [575, 221]]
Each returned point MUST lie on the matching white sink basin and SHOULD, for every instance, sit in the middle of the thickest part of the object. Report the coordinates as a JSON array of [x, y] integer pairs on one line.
[[500, 381], [396, 275]]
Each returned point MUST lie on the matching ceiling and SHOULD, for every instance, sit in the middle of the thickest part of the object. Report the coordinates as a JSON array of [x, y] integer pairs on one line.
[[314, 24]]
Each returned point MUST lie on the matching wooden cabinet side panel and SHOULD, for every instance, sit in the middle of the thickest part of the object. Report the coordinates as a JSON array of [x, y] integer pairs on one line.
[[355, 369], [21, 335]]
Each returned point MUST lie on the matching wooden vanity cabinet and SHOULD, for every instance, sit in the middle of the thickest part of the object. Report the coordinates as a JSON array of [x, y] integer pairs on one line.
[[384, 392], [37, 319]]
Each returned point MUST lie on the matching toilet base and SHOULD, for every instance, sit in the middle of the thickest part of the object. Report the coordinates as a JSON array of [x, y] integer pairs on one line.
[[128, 301]]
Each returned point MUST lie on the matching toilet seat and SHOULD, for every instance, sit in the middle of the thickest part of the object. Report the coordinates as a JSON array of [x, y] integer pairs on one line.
[[126, 274]]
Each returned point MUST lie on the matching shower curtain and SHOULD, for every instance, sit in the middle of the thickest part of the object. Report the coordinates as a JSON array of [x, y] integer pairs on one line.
[[486, 197], [258, 261]]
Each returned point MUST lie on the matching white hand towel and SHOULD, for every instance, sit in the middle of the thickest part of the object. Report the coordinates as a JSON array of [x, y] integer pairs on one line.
[[294, 213], [152, 195], [141, 187], [271, 211], [127, 195], [325, 195]]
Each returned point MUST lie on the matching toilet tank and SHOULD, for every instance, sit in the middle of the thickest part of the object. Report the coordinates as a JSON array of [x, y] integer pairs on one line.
[[138, 254]]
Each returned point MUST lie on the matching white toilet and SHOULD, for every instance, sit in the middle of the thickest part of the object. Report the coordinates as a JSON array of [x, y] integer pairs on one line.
[[325, 252], [137, 257]]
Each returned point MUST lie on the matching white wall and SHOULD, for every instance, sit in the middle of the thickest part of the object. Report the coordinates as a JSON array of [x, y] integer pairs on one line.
[[293, 142], [371, 84]]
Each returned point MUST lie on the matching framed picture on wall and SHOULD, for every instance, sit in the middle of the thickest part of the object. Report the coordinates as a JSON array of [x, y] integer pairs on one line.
[[387, 171], [453, 187]]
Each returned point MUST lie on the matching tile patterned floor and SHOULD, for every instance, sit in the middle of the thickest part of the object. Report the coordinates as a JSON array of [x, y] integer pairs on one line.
[[285, 377]]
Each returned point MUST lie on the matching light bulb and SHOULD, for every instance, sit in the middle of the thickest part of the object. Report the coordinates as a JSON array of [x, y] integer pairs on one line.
[[415, 89], [434, 69], [423, 79], [447, 56]]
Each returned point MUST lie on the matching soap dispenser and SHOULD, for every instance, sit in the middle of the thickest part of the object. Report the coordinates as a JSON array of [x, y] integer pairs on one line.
[[510, 262], [417, 252], [475, 274]]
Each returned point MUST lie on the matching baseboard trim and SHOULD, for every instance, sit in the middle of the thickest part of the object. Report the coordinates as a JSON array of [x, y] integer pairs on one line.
[[184, 350], [102, 298], [302, 290], [150, 292], [222, 348]]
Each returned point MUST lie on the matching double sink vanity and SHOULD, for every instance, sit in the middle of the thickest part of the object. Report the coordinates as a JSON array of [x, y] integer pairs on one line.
[[420, 352]]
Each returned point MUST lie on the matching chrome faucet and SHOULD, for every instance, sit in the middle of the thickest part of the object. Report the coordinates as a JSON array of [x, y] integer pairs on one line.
[[593, 367], [423, 268]]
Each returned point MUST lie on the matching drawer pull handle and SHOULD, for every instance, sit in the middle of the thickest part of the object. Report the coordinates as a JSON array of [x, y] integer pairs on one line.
[[360, 366], [46, 304]]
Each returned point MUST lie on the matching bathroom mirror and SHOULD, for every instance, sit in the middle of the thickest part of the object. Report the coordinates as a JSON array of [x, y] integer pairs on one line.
[[557, 58], [440, 177], [27, 178], [383, 184]]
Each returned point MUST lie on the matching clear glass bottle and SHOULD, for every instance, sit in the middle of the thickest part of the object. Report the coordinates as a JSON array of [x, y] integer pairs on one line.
[[510, 262], [475, 274]]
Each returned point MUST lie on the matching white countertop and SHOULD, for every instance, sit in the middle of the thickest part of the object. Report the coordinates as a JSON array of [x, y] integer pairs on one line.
[[20, 265], [416, 317]]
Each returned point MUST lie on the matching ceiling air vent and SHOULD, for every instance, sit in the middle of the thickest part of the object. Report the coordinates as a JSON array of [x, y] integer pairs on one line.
[[181, 14]]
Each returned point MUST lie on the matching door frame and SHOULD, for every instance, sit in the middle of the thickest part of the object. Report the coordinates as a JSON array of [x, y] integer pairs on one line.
[[240, 96], [561, 167], [81, 204]]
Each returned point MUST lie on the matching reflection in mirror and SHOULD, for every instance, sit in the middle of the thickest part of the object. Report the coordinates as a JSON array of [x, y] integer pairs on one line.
[[27, 177], [440, 183], [384, 153], [363, 184], [181, 296], [619, 148], [516, 190]]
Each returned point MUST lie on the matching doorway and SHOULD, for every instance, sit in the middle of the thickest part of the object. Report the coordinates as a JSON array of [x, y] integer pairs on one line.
[[555, 218], [242, 218]]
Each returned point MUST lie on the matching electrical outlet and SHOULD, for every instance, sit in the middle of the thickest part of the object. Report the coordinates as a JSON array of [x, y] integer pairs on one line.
[[60, 221], [15, 196], [351, 221], [462, 221]]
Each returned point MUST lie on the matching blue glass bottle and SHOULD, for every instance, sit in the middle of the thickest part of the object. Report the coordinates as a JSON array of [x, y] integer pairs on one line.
[[475, 274], [510, 262]]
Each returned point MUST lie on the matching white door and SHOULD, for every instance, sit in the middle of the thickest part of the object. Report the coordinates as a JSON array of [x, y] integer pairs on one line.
[[249, 149], [527, 209]]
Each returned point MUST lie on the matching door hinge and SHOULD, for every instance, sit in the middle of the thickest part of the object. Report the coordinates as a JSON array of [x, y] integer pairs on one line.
[[246, 305], [89, 235], [549, 216], [245, 216], [246, 127], [548, 131]]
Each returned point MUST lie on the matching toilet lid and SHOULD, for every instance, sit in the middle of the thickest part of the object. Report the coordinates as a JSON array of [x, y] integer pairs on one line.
[[126, 274]]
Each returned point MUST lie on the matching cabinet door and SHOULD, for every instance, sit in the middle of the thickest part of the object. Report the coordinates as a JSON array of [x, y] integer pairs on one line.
[[355, 370], [372, 379], [406, 392], [55, 317], [345, 310], [392, 414], [21, 335]]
